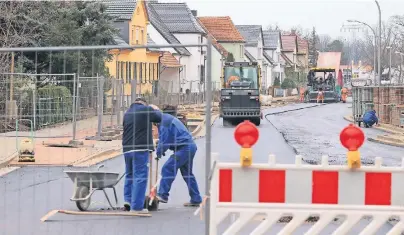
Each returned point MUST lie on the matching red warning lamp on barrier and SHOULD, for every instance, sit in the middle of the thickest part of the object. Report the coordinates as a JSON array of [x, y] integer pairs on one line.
[[246, 135], [352, 138]]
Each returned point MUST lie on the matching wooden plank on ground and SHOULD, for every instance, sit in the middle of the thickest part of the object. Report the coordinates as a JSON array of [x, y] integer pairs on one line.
[[68, 212]]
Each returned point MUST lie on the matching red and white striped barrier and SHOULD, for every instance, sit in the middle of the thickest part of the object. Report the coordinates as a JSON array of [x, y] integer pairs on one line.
[[306, 190]]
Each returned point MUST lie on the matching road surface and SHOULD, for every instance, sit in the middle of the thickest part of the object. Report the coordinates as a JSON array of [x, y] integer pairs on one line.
[[29, 193]]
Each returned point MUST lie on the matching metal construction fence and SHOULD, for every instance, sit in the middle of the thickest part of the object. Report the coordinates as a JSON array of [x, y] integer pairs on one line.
[[73, 93], [387, 101], [53, 86]]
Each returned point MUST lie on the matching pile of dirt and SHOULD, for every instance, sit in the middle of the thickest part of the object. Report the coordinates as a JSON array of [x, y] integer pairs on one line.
[[8, 126]]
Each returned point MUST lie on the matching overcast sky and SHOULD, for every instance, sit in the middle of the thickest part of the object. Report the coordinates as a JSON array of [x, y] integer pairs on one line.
[[327, 16]]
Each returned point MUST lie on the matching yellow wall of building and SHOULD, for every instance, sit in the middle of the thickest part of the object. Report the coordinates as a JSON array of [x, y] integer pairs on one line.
[[137, 36]]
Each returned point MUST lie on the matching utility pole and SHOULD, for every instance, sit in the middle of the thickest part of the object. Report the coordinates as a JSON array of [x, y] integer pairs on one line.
[[379, 65]]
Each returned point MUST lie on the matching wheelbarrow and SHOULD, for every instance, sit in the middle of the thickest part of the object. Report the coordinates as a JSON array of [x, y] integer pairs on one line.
[[85, 183]]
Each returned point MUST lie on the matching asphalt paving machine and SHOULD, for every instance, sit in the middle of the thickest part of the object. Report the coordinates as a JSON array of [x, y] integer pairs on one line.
[[322, 79]]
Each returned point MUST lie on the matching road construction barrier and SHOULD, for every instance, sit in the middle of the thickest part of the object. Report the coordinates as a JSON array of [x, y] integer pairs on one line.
[[302, 191]]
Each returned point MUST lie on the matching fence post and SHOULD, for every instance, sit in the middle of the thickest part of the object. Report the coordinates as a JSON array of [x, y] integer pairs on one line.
[[119, 101], [34, 104], [133, 85], [208, 130], [100, 102], [190, 93], [75, 97]]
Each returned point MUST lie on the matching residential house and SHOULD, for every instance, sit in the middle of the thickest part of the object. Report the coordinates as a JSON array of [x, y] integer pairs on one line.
[[302, 55], [253, 35], [219, 55], [273, 50], [174, 23], [296, 50], [131, 18], [226, 34], [289, 49]]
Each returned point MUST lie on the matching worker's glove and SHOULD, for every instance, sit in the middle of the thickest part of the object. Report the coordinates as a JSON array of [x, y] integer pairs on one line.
[[159, 156]]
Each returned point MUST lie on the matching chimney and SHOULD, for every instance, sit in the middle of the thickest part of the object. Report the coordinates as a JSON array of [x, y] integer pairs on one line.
[[293, 32], [194, 12]]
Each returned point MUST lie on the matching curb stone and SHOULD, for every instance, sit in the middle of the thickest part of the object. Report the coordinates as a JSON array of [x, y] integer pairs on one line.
[[6, 162], [349, 119], [375, 140]]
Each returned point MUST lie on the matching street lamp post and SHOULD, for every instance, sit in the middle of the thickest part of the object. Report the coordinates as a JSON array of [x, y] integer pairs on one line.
[[375, 42], [379, 65]]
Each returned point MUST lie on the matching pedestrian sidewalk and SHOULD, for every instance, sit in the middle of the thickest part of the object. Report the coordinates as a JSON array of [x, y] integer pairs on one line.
[[60, 134], [394, 135]]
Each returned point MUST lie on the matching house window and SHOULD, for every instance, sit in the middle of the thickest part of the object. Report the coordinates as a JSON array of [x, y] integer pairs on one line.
[[137, 36], [241, 51], [202, 73], [142, 35], [133, 36]]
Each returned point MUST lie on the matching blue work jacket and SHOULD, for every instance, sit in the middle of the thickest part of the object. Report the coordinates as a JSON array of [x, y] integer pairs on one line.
[[172, 134]]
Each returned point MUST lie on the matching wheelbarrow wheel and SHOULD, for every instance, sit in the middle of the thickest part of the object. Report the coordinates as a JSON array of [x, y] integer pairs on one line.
[[82, 192], [154, 206]]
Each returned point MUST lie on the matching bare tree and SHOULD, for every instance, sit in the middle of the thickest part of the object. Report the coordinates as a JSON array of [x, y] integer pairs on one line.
[[392, 41], [323, 42], [272, 27]]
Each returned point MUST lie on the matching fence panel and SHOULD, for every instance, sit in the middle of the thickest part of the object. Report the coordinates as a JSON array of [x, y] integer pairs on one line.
[[76, 98]]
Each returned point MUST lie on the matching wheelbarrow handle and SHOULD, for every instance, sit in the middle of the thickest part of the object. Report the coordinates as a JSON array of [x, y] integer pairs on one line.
[[120, 178]]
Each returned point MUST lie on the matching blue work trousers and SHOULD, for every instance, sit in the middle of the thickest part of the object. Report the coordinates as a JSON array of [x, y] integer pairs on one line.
[[182, 159], [136, 167], [369, 123]]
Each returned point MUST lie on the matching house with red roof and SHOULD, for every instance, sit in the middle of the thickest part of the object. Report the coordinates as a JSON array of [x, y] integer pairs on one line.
[[295, 51], [225, 33]]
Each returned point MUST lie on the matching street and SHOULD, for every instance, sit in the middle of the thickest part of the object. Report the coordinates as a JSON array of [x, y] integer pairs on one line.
[[29, 193]]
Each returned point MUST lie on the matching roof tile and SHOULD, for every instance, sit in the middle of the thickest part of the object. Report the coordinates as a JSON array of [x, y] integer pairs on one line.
[[302, 45], [251, 33], [159, 25], [222, 28], [271, 39], [169, 61], [288, 42], [217, 45], [177, 17], [120, 9]]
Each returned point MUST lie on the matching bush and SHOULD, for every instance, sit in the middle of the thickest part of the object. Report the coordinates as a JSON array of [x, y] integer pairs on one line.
[[288, 84], [277, 81], [230, 57]]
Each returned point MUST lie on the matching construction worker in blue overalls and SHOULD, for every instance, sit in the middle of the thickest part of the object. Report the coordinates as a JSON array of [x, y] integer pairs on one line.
[[137, 142], [174, 136], [370, 118]]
